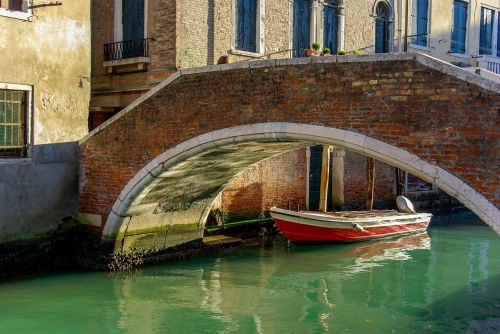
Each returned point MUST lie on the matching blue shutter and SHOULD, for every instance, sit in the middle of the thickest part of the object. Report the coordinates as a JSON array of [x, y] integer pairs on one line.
[[422, 21], [486, 31], [252, 24], [381, 35], [315, 176], [459, 26], [133, 19], [498, 35], [301, 26], [246, 25], [330, 27]]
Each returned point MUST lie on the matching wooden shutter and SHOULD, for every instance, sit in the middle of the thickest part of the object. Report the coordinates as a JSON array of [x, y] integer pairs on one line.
[[330, 27], [486, 31], [246, 25], [301, 27], [422, 21], [498, 35], [459, 27]]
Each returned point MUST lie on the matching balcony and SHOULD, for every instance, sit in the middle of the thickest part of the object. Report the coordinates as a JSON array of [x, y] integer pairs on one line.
[[489, 63], [126, 56]]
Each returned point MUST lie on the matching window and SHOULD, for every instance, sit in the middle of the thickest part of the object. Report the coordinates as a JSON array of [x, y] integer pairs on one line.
[[486, 31], [422, 22], [133, 19], [13, 134], [301, 27], [17, 9], [459, 29], [498, 34], [14, 5], [246, 25], [382, 28], [330, 27]]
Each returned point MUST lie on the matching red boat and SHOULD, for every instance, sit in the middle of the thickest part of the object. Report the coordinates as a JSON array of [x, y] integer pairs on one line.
[[347, 226]]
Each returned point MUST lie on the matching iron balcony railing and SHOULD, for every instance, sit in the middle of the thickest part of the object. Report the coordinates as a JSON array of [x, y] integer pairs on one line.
[[126, 49]]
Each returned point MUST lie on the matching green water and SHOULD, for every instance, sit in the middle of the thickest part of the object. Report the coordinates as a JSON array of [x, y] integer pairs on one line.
[[445, 282]]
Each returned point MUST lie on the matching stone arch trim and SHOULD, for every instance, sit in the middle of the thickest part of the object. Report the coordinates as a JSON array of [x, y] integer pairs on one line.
[[279, 131], [385, 2]]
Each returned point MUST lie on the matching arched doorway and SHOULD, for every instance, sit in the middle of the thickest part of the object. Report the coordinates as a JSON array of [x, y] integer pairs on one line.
[[382, 25]]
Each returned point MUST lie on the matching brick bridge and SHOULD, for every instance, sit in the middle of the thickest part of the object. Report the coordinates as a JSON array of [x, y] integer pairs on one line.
[[150, 174]]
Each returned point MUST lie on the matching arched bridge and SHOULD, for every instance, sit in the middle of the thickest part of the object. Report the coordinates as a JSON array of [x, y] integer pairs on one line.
[[150, 174]]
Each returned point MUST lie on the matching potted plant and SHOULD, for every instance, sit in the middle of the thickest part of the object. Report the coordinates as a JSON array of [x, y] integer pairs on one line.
[[342, 52], [314, 51], [326, 51]]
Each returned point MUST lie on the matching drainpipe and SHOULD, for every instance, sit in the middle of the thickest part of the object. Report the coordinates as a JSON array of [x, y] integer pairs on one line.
[[341, 25], [406, 28], [400, 26]]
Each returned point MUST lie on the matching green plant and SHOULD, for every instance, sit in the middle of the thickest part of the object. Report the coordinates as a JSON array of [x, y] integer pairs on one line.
[[326, 51], [315, 46], [355, 52], [341, 52]]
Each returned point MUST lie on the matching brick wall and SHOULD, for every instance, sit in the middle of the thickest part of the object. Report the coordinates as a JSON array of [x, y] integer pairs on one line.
[[443, 120], [355, 180], [278, 181]]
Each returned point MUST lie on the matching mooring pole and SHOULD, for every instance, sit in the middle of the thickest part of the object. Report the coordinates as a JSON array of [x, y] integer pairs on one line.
[[325, 173], [370, 182]]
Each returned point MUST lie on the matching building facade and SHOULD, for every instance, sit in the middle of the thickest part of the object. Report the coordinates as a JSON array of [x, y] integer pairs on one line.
[[44, 99], [462, 32], [137, 44]]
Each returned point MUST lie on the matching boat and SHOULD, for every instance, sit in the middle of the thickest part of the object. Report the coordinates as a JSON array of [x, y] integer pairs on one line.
[[347, 226]]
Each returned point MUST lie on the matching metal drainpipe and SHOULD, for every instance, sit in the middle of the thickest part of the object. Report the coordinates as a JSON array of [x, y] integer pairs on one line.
[[406, 28], [341, 25], [400, 26]]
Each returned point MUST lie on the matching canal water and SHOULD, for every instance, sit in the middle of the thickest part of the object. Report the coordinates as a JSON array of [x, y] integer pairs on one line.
[[446, 281]]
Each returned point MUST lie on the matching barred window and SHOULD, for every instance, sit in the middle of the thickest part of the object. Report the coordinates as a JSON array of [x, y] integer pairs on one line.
[[12, 123]]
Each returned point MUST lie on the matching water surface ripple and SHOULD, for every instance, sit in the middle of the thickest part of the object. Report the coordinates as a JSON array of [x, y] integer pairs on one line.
[[446, 281]]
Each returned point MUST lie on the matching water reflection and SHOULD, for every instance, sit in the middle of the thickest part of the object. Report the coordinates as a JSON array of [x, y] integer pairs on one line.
[[444, 282], [309, 288]]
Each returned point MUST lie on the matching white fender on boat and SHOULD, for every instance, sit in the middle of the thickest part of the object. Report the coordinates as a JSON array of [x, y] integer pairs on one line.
[[358, 227], [404, 204]]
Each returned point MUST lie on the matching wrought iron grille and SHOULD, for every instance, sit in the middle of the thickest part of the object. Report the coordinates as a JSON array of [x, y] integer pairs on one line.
[[126, 49], [12, 123]]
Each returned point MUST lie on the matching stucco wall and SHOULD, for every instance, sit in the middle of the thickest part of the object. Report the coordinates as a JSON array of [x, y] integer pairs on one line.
[[440, 27], [51, 52], [37, 193]]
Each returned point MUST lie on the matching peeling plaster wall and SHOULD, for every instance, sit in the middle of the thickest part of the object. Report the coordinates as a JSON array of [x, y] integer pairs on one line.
[[51, 52]]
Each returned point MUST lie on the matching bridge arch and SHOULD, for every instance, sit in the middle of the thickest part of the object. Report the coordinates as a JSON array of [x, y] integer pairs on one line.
[[141, 211]]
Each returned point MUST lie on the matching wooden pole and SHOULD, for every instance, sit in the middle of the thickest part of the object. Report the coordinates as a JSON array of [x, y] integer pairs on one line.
[[370, 182], [325, 172]]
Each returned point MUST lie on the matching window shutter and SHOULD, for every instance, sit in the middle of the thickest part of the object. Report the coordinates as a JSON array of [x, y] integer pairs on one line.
[[486, 31], [459, 26], [246, 25], [252, 24], [330, 28], [301, 26], [498, 35], [422, 21]]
